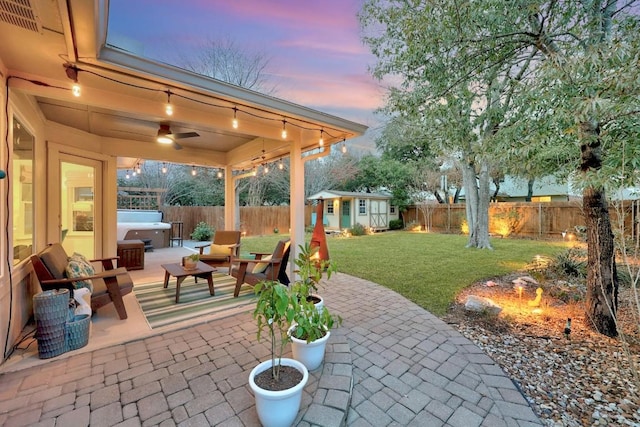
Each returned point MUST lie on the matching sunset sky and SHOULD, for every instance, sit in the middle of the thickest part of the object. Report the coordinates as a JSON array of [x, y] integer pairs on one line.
[[316, 55]]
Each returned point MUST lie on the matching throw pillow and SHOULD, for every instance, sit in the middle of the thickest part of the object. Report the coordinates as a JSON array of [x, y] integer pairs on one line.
[[260, 267], [215, 249], [79, 266]]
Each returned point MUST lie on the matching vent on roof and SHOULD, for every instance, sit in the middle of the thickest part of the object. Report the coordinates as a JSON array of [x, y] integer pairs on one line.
[[19, 13]]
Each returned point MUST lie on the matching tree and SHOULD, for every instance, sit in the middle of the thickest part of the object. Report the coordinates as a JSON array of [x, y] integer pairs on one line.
[[559, 84], [226, 61]]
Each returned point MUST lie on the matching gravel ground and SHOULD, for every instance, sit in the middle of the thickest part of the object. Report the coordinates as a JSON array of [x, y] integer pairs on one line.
[[583, 379]]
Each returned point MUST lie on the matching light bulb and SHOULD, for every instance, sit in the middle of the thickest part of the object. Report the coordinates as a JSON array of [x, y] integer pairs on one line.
[[75, 89], [280, 165], [127, 175], [164, 167], [254, 172], [321, 141], [193, 171], [168, 108], [284, 129], [343, 148], [138, 170], [235, 119], [134, 173], [219, 174], [266, 169]]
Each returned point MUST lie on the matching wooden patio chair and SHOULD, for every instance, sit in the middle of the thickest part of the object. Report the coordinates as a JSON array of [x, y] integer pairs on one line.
[[225, 246], [108, 286], [265, 266]]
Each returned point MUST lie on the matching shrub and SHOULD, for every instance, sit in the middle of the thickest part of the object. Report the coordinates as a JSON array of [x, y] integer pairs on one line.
[[396, 224], [358, 230], [570, 263], [202, 232]]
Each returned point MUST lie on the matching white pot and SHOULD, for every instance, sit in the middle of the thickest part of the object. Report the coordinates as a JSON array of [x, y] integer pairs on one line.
[[310, 354], [278, 408], [319, 305]]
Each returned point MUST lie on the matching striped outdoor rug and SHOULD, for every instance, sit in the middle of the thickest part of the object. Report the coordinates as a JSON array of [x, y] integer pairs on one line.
[[159, 304]]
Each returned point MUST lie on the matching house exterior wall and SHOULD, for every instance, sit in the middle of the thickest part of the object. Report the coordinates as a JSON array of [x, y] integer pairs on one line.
[[51, 140]]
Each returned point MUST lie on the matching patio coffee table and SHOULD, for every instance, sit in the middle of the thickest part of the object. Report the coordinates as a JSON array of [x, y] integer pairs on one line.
[[180, 273]]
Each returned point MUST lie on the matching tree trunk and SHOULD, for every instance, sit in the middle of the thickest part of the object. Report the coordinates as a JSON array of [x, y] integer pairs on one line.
[[471, 201], [484, 197], [529, 190], [602, 280]]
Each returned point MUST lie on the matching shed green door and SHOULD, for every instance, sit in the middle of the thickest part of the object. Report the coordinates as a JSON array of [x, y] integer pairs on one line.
[[345, 214]]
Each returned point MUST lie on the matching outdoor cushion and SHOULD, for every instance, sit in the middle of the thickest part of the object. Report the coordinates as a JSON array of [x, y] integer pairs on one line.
[[216, 249], [79, 266], [260, 267]]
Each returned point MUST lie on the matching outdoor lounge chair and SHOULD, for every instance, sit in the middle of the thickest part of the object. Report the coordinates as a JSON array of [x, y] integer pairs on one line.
[[225, 245], [265, 266], [108, 286]]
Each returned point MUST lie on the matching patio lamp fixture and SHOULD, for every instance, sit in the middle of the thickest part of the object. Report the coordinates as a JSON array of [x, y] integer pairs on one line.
[[163, 135], [72, 73]]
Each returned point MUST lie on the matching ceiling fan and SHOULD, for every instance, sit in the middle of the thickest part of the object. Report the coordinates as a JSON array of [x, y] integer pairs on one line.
[[165, 136]]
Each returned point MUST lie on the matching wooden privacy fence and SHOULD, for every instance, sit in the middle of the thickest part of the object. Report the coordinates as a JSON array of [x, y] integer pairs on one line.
[[529, 220], [254, 220], [520, 219]]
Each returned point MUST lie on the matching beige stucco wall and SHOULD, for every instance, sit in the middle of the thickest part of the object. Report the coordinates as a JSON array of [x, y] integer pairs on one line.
[[17, 286]]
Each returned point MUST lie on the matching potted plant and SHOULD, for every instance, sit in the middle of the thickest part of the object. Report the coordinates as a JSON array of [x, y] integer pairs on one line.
[[310, 269], [276, 383], [310, 331], [190, 262]]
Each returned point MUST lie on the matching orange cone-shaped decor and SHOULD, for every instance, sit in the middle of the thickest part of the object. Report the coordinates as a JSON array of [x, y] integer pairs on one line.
[[318, 237]]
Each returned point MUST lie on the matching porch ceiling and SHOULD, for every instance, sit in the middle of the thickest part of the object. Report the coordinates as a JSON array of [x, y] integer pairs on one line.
[[123, 96]]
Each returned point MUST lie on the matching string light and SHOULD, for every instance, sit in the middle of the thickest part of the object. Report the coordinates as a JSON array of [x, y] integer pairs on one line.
[[280, 165], [321, 141], [265, 169], [127, 175], [164, 167], [344, 147], [134, 173], [168, 109], [138, 170], [254, 171], [219, 173], [72, 73], [193, 171], [235, 119]]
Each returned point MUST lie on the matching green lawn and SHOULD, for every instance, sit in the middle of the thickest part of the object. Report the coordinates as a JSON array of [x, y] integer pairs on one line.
[[427, 268]]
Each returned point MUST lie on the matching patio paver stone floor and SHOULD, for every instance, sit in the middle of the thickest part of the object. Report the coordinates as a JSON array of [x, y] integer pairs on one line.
[[390, 363]]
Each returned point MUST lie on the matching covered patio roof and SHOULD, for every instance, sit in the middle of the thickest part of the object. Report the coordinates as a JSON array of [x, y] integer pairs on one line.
[[123, 96]]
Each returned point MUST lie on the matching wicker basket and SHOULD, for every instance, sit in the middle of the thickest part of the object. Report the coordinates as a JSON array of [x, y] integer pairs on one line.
[[77, 332], [50, 309]]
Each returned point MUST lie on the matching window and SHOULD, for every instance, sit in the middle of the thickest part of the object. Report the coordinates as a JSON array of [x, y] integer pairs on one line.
[[392, 209], [22, 187], [362, 207], [330, 208]]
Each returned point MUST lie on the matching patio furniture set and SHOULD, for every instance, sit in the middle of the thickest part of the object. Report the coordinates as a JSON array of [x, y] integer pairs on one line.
[[55, 269]]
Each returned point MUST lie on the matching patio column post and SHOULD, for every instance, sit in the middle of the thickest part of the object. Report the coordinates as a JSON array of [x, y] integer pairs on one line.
[[297, 202], [229, 199]]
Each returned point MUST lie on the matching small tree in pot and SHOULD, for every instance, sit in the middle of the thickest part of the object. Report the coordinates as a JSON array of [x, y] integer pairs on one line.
[[276, 383], [310, 269], [310, 331]]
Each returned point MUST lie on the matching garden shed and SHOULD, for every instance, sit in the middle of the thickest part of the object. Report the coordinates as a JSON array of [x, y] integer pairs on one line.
[[344, 209]]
